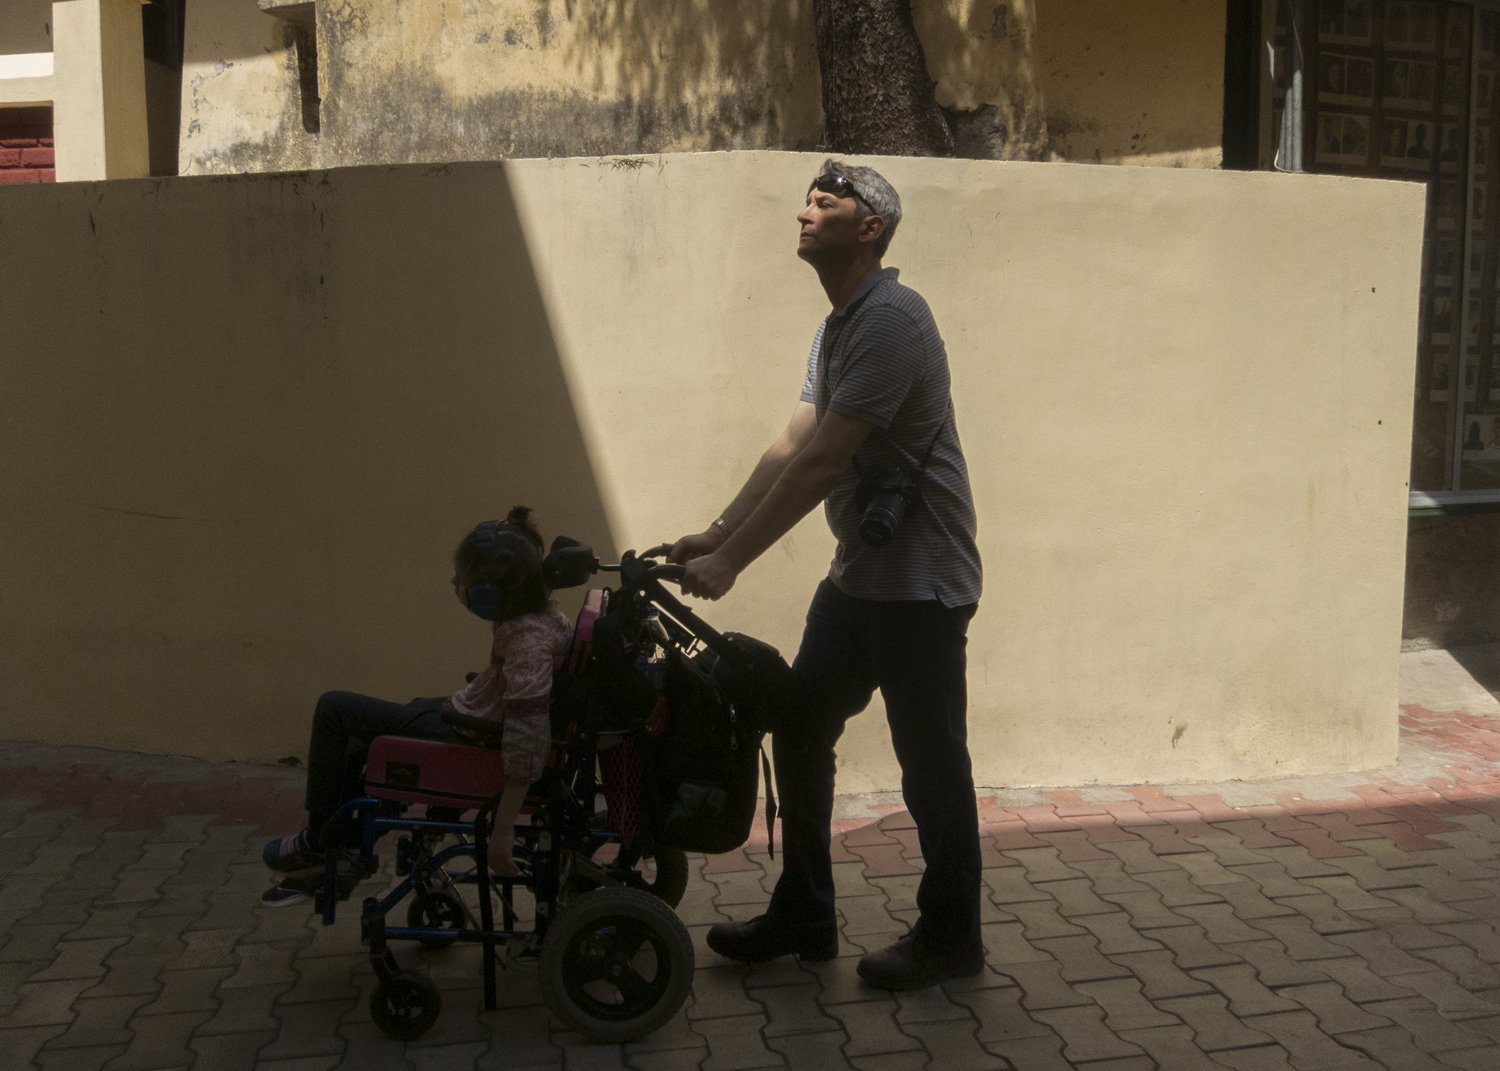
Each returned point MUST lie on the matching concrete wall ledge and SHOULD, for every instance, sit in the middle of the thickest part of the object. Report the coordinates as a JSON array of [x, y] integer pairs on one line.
[[249, 417], [26, 79]]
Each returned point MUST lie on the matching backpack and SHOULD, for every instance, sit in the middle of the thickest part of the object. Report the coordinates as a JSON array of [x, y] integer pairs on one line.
[[704, 768]]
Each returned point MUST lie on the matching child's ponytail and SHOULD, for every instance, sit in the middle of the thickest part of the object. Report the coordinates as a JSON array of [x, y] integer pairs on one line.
[[519, 518]]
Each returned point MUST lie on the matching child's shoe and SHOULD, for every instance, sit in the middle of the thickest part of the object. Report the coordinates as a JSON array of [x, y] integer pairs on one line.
[[291, 853], [285, 894]]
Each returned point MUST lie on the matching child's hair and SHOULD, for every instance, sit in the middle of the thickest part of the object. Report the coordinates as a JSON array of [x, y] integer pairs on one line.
[[507, 554]]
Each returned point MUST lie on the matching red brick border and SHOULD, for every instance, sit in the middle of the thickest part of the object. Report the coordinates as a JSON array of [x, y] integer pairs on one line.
[[26, 149]]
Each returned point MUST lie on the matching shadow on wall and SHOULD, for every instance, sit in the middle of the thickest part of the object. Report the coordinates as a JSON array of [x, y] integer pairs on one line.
[[275, 406]]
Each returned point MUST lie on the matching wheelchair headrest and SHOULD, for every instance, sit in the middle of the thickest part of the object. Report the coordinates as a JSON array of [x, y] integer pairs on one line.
[[568, 564]]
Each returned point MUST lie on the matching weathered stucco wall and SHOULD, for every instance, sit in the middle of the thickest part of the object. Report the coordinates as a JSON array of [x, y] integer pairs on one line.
[[456, 80], [25, 26], [1138, 83], [244, 421]]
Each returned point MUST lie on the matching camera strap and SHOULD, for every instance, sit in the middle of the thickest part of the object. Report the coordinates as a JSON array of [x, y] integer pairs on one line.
[[825, 351]]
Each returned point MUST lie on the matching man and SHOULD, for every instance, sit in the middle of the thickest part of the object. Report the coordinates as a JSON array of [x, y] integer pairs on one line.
[[893, 617]]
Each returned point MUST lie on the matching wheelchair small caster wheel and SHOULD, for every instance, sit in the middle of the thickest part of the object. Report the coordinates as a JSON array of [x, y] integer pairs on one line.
[[439, 910], [405, 1006], [616, 964]]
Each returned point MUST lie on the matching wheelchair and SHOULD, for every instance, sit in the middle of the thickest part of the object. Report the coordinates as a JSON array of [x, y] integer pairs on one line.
[[592, 905]]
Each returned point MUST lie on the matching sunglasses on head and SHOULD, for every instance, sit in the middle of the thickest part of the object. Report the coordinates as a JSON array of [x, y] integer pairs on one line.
[[839, 186]]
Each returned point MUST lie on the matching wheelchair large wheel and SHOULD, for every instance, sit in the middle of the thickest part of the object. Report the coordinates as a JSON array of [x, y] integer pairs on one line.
[[405, 1006], [616, 964]]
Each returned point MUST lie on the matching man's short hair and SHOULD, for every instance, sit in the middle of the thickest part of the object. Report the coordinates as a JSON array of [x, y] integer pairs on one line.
[[878, 194]]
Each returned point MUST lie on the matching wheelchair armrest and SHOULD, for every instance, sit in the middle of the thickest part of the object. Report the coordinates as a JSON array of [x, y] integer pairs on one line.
[[482, 731]]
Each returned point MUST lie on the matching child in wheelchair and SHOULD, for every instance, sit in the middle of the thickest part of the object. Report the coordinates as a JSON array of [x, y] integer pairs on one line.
[[643, 707], [497, 575]]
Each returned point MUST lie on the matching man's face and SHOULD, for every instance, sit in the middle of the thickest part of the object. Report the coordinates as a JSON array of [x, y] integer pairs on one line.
[[831, 226]]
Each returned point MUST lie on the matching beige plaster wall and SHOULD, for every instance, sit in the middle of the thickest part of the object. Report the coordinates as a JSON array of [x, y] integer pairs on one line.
[[458, 80], [245, 420]]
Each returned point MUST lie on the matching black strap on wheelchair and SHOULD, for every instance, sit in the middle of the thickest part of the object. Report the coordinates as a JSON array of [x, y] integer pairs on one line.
[[765, 767]]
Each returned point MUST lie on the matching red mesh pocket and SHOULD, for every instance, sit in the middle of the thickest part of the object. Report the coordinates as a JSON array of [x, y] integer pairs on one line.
[[622, 778]]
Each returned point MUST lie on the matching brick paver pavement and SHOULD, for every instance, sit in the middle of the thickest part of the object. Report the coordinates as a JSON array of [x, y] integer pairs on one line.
[[1339, 922]]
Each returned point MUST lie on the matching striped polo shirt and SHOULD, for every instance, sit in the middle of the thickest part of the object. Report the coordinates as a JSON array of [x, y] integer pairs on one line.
[[880, 359]]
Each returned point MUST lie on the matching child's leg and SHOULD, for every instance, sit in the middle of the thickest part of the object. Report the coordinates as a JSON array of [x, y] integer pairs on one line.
[[343, 726], [502, 837]]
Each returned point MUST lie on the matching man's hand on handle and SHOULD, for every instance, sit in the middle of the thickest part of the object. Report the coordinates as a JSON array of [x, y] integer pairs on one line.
[[708, 576]]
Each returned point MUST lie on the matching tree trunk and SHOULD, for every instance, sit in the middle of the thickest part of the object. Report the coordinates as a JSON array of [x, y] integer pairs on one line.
[[877, 94]]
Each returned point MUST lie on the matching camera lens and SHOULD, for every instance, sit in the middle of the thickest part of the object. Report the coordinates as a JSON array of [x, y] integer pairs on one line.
[[879, 523]]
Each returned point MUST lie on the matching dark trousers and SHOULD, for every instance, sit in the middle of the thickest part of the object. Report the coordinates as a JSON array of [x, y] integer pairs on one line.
[[343, 725], [914, 653]]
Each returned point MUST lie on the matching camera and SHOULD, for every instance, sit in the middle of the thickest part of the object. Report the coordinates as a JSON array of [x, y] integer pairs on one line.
[[883, 498]]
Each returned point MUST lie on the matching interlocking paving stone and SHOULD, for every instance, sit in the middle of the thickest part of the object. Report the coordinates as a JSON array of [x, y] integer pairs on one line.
[[1220, 923], [1257, 1058], [793, 1009], [1177, 888], [738, 1043], [954, 1046], [90, 1059], [1116, 935], [159, 1041], [915, 1060], [520, 1039], [812, 1052], [1000, 1014], [100, 1021], [1335, 1013], [1213, 1026], [1080, 959], [1042, 986], [1124, 1006], [1010, 885], [1033, 1053], [1391, 1047], [1482, 1059], [1042, 865], [1108, 875], [1241, 985], [1042, 920], [1431, 1032], [1159, 974], [235, 1052], [670, 1060], [244, 1010], [1076, 899], [79, 959], [1464, 964], [1306, 1045], [1085, 1034], [1452, 1001], [872, 1029], [45, 1003], [1301, 941], [1379, 951], [1170, 1047], [1360, 984], [1146, 910]]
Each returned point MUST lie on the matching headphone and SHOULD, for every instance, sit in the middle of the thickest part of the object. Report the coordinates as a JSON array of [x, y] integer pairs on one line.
[[487, 600]]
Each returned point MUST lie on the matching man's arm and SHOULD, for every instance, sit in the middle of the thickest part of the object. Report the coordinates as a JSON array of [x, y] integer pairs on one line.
[[805, 480], [793, 439]]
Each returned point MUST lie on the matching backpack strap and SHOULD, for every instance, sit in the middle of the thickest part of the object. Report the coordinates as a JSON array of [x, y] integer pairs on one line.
[[771, 809]]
